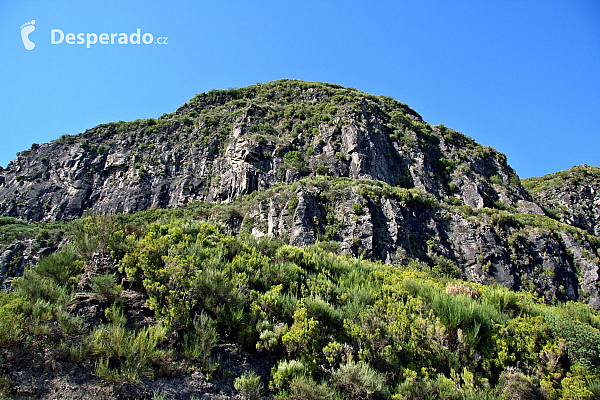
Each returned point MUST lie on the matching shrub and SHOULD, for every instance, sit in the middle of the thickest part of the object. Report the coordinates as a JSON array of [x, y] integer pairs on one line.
[[62, 267], [501, 299], [583, 341], [594, 387], [285, 372], [454, 288], [294, 160], [199, 341], [439, 388], [443, 266], [35, 287], [322, 170], [93, 234], [575, 385], [303, 336], [582, 313], [11, 318], [126, 356], [359, 381], [514, 385], [464, 316], [104, 287], [248, 386], [519, 341], [303, 388]]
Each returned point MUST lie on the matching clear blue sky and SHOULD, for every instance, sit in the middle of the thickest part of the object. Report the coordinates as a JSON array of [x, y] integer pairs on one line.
[[520, 76]]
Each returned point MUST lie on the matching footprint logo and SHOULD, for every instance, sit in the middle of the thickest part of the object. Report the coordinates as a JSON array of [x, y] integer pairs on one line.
[[26, 29]]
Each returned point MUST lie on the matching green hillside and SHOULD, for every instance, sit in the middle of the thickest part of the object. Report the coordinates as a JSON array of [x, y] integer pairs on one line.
[[143, 298]]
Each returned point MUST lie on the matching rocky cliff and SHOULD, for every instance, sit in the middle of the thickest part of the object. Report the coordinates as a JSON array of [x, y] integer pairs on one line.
[[223, 144], [310, 162], [572, 196], [523, 251]]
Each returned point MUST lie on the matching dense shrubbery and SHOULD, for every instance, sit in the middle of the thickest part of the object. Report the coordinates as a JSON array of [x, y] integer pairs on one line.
[[331, 326]]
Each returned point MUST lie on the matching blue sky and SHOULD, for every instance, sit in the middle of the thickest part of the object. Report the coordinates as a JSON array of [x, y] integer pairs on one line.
[[520, 76]]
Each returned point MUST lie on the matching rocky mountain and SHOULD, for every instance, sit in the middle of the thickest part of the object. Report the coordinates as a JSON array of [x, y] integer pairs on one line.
[[312, 162], [223, 144]]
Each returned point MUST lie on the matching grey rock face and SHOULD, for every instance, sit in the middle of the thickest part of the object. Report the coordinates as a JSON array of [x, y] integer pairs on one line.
[[18, 256], [490, 245], [212, 152], [572, 195]]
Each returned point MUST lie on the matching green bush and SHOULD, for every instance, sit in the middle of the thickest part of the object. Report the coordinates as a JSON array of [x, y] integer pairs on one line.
[[462, 312], [199, 341], [35, 287], [439, 387], [582, 313], [583, 341], [12, 321], [322, 170], [248, 386], [359, 381], [514, 385], [594, 388], [302, 338], [303, 388], [501, 299], [94, 234], [294, 160], [520, 342], [285, 372], [126, 356], [63, 267], [104, 287]]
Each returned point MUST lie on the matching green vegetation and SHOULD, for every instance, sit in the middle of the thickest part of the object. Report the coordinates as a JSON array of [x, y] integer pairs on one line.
[[294, 160], [331, 326], [248, 386], [571, 176]]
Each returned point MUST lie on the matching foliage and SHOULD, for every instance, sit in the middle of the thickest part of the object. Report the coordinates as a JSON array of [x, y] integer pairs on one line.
[[328, 326], [104, 287], [294, 159], [124, 355], [62, 267], [303, 388], [285, 372], [199, 341], [359, 381], [248, 386]]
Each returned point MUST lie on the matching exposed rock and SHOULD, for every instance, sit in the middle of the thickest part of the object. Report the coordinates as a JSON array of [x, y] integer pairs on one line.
[[520, 251], [572, 195], [218, 149], [17, 256]]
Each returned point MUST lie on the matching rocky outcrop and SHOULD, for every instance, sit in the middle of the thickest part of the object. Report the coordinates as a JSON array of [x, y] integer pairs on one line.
[[19, 255], [521, 251], [573, 196]]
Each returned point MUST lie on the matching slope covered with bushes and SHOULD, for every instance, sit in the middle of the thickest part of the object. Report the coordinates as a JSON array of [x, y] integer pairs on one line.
[[137, 301]]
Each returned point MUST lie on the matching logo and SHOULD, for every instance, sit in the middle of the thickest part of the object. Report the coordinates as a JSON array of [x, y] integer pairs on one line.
[[57, 36], [26, 29], [89, 39]]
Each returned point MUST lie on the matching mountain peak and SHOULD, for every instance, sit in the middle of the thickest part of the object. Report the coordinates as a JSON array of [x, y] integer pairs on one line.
[[226, 143]]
